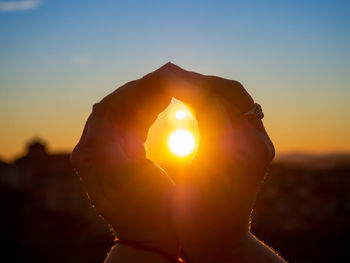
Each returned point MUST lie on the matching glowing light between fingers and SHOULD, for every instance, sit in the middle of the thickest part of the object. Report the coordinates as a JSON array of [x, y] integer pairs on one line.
[[181, 142], [180, 115]]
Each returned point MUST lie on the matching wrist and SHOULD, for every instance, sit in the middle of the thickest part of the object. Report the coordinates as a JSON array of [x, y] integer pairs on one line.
[[125, 253], [166, 252], [216, 250], [253, 250], [166, 242], [170, 247]]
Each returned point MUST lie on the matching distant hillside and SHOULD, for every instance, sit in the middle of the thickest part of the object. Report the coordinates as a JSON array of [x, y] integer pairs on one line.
[[324, 161], [301, 160]]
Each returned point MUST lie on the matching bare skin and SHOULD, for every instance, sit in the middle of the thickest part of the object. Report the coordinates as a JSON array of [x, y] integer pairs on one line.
[[207, 209], [130, 192], [215, 194]]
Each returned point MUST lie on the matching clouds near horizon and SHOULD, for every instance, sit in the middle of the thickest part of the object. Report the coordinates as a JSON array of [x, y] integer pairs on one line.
[[13, 6]]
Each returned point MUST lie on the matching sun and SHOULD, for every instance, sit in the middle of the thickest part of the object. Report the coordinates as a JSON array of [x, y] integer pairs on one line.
[[180, 115], [181, 143], [173, 139]]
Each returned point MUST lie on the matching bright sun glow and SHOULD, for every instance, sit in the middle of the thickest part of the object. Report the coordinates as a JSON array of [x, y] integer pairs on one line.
[[174, 137], [180, 115], [181, 142]]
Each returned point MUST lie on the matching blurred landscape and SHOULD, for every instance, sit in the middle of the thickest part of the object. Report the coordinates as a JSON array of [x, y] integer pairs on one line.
[[302, 211], [58, 58]]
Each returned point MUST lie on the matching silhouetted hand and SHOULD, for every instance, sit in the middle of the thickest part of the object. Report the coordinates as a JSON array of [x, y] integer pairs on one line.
[[215, 193], [128, 190], [213, 197]]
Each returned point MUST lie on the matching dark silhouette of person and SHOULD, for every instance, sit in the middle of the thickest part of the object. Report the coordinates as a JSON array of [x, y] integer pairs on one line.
[[205, 209]]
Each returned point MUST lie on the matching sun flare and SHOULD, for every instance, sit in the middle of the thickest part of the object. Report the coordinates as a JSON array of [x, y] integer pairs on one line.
[[181, 142], [180, 115], [174, 137]]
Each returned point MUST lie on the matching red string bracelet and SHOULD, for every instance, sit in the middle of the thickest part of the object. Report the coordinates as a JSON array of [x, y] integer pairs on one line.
[[151, 249]]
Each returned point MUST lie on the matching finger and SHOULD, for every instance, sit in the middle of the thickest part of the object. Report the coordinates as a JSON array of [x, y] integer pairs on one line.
[[232, 95], [211, 86], [251, 138], [251, 141], [75, 157], [137, 104], [101, 162], [225, 88], [118, 125], [236, 97], [114, 135], [192, 89], [213, 121], [81, 161]]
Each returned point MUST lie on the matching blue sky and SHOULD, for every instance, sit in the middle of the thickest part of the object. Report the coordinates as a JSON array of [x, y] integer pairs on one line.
[[59, 57]]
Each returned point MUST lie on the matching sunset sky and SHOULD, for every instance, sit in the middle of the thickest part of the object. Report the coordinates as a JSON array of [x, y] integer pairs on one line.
[[57, 58]]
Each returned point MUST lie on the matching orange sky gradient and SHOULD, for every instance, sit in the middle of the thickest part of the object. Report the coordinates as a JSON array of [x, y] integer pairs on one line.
[[58, 58]]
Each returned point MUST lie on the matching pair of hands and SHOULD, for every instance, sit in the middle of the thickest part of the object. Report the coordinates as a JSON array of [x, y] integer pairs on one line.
[[205, 208]]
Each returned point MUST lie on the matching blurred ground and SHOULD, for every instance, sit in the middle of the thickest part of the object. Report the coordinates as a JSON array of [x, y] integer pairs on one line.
[[303, 211]]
